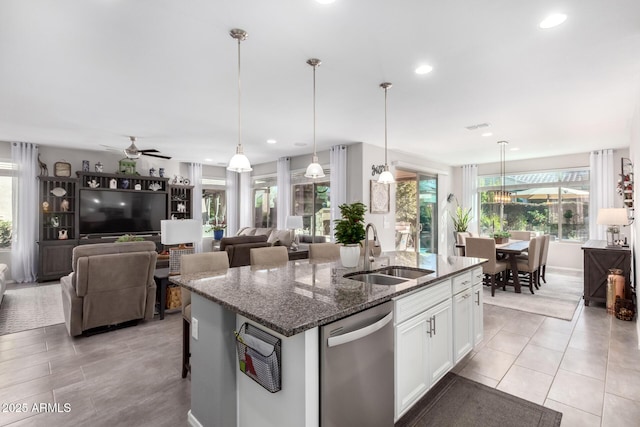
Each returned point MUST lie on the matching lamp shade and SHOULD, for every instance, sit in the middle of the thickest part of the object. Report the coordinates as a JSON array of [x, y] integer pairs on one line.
[[386, 178], [294, 222], [239, 163], [314, 170], [612, 216], [176, 231]]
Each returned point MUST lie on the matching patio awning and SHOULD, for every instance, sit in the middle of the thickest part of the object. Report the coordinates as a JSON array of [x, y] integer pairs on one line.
[[550, 193]]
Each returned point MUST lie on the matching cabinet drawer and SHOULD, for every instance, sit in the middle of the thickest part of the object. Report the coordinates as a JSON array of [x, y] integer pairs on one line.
[[462, 282], [408, 306], [477, 275]]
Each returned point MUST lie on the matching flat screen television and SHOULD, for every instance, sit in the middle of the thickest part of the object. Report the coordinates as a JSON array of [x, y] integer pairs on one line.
[[118, 212]]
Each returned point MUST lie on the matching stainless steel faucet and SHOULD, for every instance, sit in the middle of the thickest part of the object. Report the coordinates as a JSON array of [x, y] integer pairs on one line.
[[368, 256]]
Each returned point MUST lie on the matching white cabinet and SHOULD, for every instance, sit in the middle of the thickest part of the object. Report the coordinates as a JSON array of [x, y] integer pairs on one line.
[[462, 323], [478, 322], [423, 343], [411, 376], [439, 354]]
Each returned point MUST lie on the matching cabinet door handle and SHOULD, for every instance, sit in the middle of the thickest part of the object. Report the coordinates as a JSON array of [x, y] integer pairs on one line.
[[434, 324], [430, 330], [478, 300]]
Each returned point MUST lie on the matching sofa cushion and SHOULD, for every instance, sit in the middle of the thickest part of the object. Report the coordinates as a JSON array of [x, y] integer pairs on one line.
[[281, 238], [264, 231], [246, 231], [237, 240]]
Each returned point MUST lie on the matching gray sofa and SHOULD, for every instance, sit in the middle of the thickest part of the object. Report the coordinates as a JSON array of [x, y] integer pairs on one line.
[[3, 280], [111, 283]]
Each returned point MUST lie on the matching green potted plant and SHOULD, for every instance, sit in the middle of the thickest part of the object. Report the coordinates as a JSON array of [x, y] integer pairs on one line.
[[129, 238], [462, 219], [501, 236], [349, 231]]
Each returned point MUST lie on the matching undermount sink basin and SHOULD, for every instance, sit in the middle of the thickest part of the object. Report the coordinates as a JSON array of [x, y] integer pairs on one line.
[[404, 272], [376, 279]]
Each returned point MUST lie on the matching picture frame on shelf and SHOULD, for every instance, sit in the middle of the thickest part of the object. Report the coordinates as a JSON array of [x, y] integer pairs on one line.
[[62, 169]]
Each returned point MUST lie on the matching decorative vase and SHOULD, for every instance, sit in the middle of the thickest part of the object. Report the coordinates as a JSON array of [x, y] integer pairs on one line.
[[350, 255], [500, 240], [616, 276], [125, 184], [217, 234], [62, 235]]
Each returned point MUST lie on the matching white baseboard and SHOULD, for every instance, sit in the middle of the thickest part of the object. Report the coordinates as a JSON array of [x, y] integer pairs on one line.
[[192, 420]]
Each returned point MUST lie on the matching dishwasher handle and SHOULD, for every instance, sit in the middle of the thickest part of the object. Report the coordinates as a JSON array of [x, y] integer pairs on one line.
[[359, 333]]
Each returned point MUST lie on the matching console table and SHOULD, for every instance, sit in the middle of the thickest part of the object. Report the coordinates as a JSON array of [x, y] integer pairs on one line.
[[598, 259]]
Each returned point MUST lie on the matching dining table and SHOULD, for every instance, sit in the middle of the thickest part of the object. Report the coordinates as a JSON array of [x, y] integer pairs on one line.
[[511, 250]]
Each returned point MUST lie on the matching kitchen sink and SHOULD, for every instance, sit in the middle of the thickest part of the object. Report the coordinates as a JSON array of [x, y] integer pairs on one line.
[[376, 279], [407, 273]]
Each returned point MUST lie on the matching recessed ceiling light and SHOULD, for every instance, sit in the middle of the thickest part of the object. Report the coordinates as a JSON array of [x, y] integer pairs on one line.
[[553, 20], [325, 1], [424, 69], [208, 160], [487, 134], [300, 144], [271, 141]]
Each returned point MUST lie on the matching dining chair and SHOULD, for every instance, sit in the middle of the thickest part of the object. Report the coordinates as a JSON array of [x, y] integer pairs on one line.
[[324, 252], [461, 237], [481, 247], [269, 257], [543, 258], [529, 267], [520, 235], [189, 264]]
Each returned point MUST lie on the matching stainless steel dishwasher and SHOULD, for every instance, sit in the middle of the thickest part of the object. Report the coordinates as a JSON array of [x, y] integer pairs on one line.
[[356, 370]]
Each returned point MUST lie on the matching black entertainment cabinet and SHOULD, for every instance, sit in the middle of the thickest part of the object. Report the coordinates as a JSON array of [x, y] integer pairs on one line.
[[55, 252]]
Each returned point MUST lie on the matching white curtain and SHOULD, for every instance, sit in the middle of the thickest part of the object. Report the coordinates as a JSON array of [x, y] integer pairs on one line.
[[338, 165], [469, 197], [25, 210], [246, 202], [284, 191], [195, 176], [233, 202], [602, 190]]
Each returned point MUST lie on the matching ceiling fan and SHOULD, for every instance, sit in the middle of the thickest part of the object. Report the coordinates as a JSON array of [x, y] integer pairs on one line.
[[133, 152]]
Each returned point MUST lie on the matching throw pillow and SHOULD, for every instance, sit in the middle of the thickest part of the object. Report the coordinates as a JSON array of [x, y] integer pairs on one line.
[[247, 231]]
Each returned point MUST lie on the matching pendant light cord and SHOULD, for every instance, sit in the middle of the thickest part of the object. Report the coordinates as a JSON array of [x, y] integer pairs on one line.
[[385, 126], [314, 110], [239, 100]]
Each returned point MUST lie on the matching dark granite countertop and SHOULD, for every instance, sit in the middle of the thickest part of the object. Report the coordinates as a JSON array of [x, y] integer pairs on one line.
[[302, 295]]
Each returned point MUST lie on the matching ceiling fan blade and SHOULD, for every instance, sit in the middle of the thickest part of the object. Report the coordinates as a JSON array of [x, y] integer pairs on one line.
[[152, 150], [155, 155]]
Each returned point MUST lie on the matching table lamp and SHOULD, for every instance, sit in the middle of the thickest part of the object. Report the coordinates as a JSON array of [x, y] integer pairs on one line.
[[294, 222], [613, 218], [179, 232]]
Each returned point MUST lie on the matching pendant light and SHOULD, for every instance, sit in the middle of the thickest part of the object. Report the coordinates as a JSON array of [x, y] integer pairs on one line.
[[239, 162], [132, 151], [502, 196], [314, 170], [385, 177]]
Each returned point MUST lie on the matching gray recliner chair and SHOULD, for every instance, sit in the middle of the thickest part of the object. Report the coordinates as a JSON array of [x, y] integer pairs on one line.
[[111, 283]]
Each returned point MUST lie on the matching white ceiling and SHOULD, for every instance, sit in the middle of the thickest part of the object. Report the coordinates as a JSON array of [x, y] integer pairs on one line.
[[80, 73]]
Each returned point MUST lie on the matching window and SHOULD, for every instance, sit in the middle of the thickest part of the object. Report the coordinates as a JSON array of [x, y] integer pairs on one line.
[[312, 201], [214, 201], [5, 204], [553, 202], [265, 202]]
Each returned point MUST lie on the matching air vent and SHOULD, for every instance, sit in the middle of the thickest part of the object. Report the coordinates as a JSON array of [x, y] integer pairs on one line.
[[478, 126]]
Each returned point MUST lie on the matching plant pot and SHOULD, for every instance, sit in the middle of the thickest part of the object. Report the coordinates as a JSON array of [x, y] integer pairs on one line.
[[218, 234], [500, 240], [350, 255]]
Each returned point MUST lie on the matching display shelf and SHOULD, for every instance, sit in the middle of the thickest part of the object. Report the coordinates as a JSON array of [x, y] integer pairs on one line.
[[625, 183], [180, 195], [116, 181]]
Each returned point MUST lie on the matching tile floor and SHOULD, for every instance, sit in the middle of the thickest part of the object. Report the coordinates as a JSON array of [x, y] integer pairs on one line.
[[587, 368]]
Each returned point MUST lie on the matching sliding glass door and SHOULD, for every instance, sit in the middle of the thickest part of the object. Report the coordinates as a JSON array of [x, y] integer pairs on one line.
[[416, 212], [428, 214]]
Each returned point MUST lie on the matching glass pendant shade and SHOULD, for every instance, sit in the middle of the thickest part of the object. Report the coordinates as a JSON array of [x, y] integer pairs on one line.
[[132, 151], [239, 162], [314, 170], [386, 177]]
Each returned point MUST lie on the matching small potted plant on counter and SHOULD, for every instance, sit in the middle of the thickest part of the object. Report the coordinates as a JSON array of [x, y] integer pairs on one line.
[[501, 236], [218, 231], [350, 232]]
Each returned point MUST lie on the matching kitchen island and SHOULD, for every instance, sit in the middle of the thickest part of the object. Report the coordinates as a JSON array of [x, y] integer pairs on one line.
[[290, 302]]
